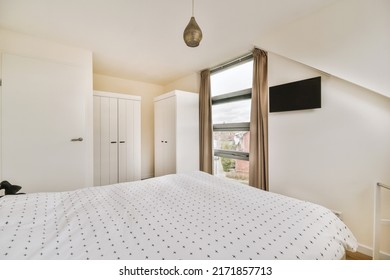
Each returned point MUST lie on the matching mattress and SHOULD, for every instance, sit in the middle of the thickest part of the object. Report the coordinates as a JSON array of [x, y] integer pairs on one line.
[[184, 216]]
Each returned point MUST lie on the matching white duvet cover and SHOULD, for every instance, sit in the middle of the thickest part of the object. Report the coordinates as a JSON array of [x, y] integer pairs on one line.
[[187, 216]]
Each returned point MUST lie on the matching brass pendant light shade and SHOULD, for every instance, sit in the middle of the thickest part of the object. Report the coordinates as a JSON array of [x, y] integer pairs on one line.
[[192, 34]]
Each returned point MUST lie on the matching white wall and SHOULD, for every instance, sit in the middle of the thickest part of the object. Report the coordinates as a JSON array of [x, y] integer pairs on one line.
[[340, 151], [147, 92], [190, 83], [28, 46], [332, 156], [348, 39]]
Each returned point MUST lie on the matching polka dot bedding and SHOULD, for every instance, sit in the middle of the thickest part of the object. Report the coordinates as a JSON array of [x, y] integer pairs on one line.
[[184, 216]]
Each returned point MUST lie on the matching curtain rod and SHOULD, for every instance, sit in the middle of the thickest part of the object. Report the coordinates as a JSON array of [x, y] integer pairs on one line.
[[383, 186], [250, 55], [231, 63]]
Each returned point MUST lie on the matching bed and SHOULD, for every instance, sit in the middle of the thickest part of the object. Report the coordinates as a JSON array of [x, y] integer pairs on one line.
[[184, 216]]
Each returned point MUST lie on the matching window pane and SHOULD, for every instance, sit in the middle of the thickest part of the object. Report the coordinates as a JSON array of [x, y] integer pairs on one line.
[[232, 109], [233, 79], [233, 112], [232, 169], [232, 140]]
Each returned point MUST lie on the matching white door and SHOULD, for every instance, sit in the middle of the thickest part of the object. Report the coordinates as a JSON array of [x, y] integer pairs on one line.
[[165, 137], [170, 136], [113, 136], [97, 146], [135, 165], [104, 125], [43, 109], [129, 124], [106, 140], [125, 126], [159, 130]]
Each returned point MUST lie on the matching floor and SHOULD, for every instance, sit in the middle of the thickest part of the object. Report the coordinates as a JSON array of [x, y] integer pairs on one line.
[[357, 256]]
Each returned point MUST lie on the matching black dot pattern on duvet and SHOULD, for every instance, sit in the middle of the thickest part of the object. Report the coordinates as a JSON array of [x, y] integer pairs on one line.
[[186, 216]]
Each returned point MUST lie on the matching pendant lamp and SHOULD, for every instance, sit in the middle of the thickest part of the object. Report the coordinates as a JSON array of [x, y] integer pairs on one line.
[[192, 34]]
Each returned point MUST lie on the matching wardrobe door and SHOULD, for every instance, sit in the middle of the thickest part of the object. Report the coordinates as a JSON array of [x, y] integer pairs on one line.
[[104, 141], [96, 140], [135, 135], [113, 136], [129, 140], [170, 135], [159, 131], [106, 134], [124, 147]]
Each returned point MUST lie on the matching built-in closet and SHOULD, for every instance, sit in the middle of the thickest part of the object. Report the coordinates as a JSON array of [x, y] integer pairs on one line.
[[117, 138]]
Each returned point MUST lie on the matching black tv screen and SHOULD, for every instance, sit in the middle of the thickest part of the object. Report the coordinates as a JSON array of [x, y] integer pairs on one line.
[[299, 95]]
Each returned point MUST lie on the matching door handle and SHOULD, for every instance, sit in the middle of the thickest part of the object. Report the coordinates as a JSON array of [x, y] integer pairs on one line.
[[122, 142], [77, 139], [113, 142]]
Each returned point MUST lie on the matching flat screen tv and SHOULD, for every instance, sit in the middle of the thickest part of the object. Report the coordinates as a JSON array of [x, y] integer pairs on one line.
[[299, 95]]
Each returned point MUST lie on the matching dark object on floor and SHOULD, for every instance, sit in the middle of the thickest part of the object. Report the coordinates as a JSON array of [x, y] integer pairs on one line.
[[9, 188]]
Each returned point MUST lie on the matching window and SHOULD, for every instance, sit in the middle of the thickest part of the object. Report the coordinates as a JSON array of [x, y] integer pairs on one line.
[[231, 91]]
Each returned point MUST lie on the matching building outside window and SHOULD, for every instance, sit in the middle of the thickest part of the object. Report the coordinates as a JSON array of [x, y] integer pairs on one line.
[[231, 91]]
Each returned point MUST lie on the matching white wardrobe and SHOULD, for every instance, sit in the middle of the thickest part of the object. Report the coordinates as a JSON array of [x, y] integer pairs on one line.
[[176, 132], [117, 138]]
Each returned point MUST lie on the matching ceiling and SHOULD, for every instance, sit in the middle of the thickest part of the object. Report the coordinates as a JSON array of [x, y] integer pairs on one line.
[[142, 39]]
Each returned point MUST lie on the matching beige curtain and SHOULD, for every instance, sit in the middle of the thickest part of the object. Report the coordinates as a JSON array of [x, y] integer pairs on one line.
[[258, 149], [205, 124]]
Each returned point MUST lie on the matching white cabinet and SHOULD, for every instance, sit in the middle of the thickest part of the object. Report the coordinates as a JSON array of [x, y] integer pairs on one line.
[[117, 138], [176, 133]]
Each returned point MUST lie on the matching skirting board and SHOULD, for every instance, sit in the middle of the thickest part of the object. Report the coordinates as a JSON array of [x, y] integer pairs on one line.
[[147, 176], [368, 251]]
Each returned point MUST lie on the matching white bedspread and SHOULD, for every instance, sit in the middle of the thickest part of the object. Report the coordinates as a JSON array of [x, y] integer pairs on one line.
[[188, 216]]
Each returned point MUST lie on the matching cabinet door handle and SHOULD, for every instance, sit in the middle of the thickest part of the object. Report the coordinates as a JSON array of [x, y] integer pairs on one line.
[[77, 139], [166, 141], [113, 142], [122, 142]]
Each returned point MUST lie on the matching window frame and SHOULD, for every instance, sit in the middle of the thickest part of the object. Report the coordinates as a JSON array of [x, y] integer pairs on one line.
[[236, 95], [232, 96], [242, 126]]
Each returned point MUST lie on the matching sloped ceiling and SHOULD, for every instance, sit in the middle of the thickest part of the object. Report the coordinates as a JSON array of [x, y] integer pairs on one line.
[[142, 39], [349, 39]]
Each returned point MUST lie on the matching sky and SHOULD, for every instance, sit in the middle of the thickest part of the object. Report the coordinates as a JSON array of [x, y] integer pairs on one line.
[[230, 80]]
